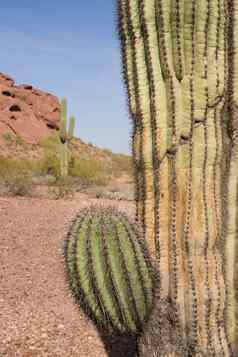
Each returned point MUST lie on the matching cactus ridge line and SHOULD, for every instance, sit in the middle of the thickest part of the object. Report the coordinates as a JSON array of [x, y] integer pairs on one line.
[[205, 192], [125, 269], [113, 287], [108, 301], [139, 114], [144, 279], [90, 303], [218, 312], [154, 117]]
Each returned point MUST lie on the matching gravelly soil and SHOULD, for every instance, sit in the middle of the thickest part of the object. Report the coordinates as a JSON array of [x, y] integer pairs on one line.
[[38, 316]]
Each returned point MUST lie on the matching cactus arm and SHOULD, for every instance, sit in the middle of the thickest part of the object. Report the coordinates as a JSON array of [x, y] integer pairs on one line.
[[63, 120], [143, 113], [65, 137], [71, 127], [63, 153], [128, 60]]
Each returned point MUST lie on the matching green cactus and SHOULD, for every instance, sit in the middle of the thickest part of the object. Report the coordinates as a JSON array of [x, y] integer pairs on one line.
[[108, 270], [65, 137], [180, 65]]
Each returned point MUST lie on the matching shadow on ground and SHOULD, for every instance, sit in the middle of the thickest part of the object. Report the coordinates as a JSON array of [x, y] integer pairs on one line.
[[120, 345]]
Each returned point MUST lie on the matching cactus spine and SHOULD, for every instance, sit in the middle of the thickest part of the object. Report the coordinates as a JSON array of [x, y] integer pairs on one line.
[[65, 137], [108, 271], [180, 64]]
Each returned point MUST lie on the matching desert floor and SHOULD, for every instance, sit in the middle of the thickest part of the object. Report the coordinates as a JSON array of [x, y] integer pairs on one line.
[[38, 316]]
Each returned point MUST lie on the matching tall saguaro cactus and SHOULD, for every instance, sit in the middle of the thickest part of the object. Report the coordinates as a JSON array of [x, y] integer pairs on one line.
[[231, 204], [180, 65], [65, 136]]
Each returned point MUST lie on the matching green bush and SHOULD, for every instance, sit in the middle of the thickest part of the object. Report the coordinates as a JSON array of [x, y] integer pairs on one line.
[[8, 137], [49, 165], [50, 144], [19, 141], [89, 170], [121, 164], [62, 189], [19, 186], [13, 167]]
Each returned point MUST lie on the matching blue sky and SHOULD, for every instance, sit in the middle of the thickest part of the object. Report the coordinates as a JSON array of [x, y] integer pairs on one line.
[[70, 48]]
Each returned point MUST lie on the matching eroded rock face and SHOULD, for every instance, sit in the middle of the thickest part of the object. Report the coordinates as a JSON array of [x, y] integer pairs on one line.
[[27, 112]]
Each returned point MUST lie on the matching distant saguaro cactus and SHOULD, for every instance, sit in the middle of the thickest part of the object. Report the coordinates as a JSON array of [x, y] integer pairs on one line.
[[65, 137], [180, 64], [108, 269]]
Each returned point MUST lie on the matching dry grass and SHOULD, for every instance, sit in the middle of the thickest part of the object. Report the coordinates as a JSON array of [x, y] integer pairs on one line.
[[88, 167]]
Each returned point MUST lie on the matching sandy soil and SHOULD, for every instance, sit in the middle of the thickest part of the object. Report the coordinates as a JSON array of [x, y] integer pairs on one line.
[[38, 316]]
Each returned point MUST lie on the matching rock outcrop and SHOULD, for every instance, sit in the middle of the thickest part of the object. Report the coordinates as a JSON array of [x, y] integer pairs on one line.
[[26, 112]]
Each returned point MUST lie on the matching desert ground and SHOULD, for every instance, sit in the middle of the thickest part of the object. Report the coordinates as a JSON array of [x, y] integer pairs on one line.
[[37, 312]]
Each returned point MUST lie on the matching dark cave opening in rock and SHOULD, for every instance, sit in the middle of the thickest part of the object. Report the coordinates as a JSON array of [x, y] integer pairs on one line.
[[15, 108]]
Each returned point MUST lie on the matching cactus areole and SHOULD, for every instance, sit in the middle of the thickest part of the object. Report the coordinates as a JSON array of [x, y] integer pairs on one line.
[[180, 66]]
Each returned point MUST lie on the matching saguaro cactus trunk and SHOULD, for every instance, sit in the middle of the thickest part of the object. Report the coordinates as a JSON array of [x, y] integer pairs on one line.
[[180, 67], [231, 203], [65, 135]]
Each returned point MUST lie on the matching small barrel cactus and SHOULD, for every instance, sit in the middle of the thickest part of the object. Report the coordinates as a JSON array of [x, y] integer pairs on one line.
[[109, 270]]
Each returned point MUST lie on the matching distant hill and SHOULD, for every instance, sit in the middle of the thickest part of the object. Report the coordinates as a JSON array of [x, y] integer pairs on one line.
[[26, 112], [29, 124]]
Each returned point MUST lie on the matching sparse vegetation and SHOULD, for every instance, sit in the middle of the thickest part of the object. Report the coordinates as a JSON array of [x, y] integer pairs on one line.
[[16, 167], [20, 185], [19, 141], [7, 137], [62, 188], [90, 170], [85, 168]]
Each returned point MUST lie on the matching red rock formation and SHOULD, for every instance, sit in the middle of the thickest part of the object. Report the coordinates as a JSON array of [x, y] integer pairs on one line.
[[27, 112]]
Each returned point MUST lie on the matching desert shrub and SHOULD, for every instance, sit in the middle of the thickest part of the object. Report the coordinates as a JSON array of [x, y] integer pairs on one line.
[[16, 167], [20, 185], [107, 152], [121, 164], [50, 143], [19, 141], [62, 188], [15, 176], [49, 164], [89, 170], [8, 137]]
